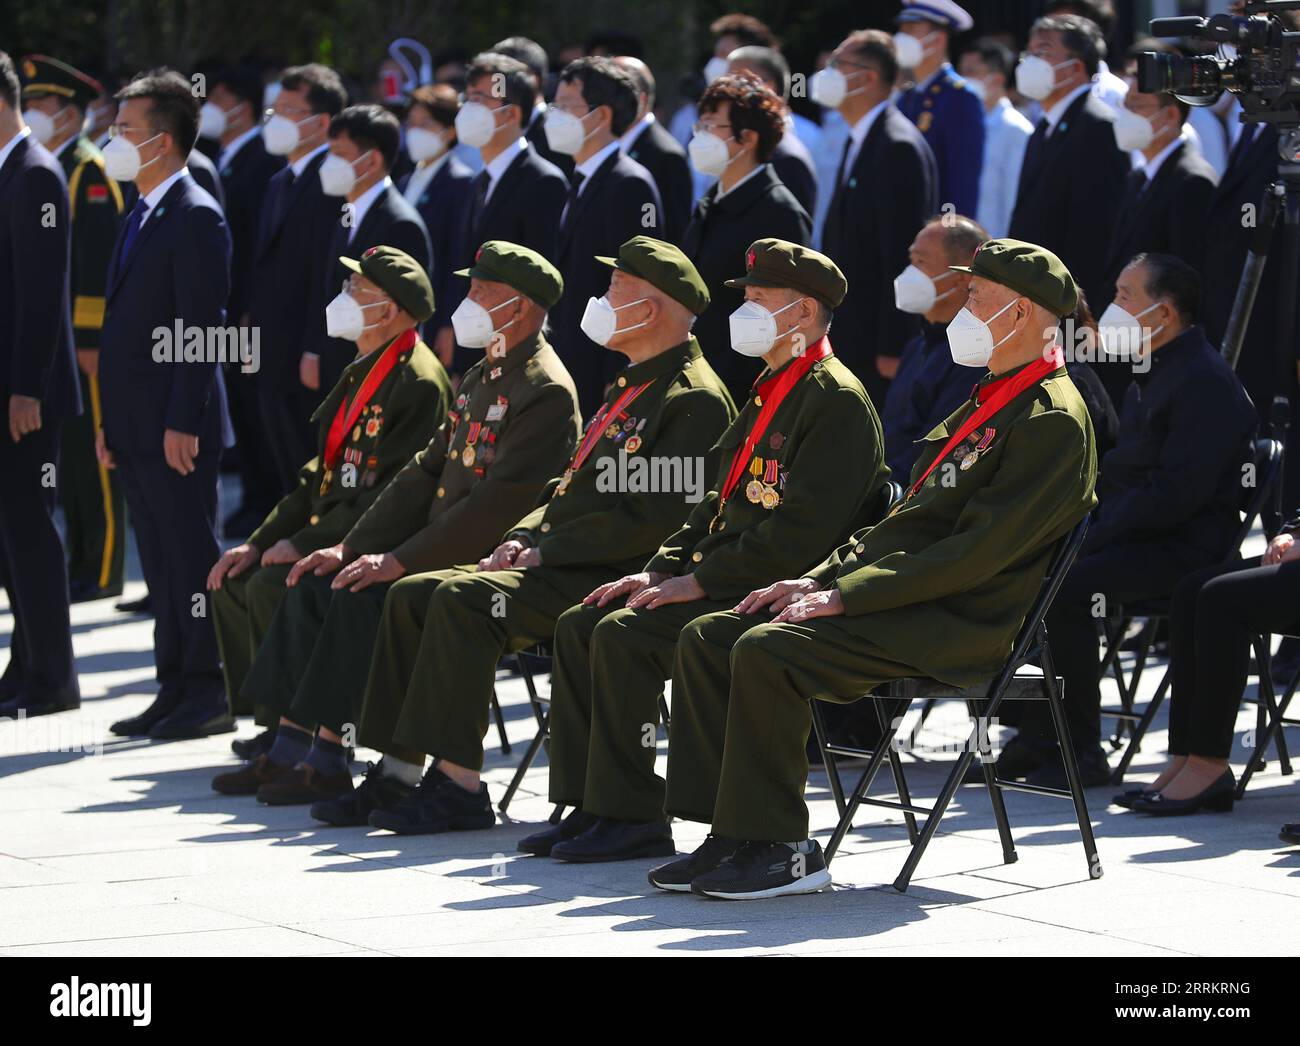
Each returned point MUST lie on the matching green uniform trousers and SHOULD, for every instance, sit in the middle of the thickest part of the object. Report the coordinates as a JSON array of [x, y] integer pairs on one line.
[[315, 657], [442, 634], [242, 609], [94, 506]]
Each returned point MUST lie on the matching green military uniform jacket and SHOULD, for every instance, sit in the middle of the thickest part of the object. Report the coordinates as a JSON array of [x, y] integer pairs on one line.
[[824, 453], [399, 418], [629, 493], [95, 203], [949, 577], [512, 428]]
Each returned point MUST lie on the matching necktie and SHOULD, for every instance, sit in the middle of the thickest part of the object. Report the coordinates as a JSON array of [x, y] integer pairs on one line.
[[844, 161], [1134, 187], [133, 222], [1241, 145], [481, 182], [1034, 149], [570, 203]]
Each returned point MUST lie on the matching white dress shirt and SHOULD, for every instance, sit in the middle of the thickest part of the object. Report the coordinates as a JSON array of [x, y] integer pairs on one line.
[[1006, 133], [364, 202]]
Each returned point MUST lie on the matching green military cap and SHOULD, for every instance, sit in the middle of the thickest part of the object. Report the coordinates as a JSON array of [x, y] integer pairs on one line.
[[399, 276], [1027, 269], [779, 263], [523, 269], [663, 266], [45, 76]]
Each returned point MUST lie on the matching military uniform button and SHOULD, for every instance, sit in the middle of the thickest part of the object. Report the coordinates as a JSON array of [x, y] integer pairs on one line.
[[622, 381], [442, 492], [546, 528], [860, 549], [722, 525], [697, 557], [758, 401], [314, 520]]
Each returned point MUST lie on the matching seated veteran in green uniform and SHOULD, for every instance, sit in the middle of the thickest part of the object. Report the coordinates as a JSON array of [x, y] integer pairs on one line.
[[800, 468], [512, 427], [938, 589], [644, 458], [385, 408]]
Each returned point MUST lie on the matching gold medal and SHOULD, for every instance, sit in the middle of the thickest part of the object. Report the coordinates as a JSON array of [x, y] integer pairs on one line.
[[770, 498], [633, 444], [467, 456], [612, 431], [754, 491], [969, 460]]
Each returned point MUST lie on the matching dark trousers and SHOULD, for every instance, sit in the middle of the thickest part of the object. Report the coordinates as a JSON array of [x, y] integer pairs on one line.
[[290, 433], [33, 570], [174, 518], [1215, 613], [257, 474], [1100, 581]]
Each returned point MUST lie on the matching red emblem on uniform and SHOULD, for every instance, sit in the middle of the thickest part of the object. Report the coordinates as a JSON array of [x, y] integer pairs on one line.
[[478, 254], [749, 258]]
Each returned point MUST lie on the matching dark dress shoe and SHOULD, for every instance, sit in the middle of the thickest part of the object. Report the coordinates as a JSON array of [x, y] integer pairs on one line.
[[437, 805], [140, 725], [677, 876], [539, 844], [88, 592], [1094, 770], [612, 840], [1019, 758], [135, 606], [302, 785], [188, 720], [248, 779], [1217, 798], [1290, 833], [1129, 796], [249, 748], [353, 809], [30, 707]]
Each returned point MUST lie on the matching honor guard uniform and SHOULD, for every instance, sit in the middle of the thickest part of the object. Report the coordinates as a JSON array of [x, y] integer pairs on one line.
[[938, 589], [512, 427], [443, 633], [93, 504], [386, 407], [800, 468]]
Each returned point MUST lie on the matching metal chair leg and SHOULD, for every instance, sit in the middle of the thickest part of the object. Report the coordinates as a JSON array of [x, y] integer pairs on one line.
[[534, 746], [996, 799], [896, 764], [860, 791], [1141, 727], [1056, 706], [501, 723], [828, 760]]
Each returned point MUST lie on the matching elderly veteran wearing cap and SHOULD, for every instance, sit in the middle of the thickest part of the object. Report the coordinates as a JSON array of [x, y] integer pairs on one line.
[[939, 588], [511, 428], [800, 468], [643, 459], [386, 407]]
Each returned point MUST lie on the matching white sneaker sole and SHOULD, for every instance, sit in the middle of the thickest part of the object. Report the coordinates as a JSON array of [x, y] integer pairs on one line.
[[810, 883], [671, 887]]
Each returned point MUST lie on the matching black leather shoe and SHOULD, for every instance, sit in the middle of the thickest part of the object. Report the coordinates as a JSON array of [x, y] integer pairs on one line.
[[1094, 770], [1129, 796], [31, 707], [1217, 798], [353, 809], [140, 725], [193, 720], [1019, 758], [88, 592], [677, 876], [135, 606], [540, 844], [437, 805], [1290, 833], [611, 840], [250, 748]]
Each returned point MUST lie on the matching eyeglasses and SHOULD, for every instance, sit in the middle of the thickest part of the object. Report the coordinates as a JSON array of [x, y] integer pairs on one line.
[[556, 107], [286, 111], [701, 127], [354, 287], [120, 130]]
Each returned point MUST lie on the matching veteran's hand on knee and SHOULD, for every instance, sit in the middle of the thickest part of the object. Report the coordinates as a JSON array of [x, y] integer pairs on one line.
[[683, 589], [233, 562], [529, 557], [775, 597], [321, 562], [365, 571], [503, 556], [624, 586], [812, 605], [280, 553]]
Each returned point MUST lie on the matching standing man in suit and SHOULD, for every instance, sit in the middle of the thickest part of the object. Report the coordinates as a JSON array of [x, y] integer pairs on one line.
[[55, 97], [649, 144], [38, 384], [165, 418], [886, 187], [940, 102], [1072, 178], [287, 286], [611, 199], [517, 196], [232, 117], [533, 55], [363, 145], [986, 67], [439, 185]]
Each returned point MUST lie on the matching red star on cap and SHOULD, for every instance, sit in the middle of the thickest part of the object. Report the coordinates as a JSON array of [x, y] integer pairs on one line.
[[478, 254], [749, 258]]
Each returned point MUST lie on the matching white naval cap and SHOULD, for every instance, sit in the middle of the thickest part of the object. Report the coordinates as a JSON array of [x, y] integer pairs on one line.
[[940, 12]]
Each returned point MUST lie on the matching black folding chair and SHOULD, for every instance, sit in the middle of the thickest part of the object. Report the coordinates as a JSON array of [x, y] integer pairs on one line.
[[1268, 473], [982, 702], [1271, 716]]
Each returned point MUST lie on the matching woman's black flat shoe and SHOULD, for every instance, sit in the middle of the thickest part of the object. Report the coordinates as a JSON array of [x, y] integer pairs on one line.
[[1216, 799], [1129, 796]]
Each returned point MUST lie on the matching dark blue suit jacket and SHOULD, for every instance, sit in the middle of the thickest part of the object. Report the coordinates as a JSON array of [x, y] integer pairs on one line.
[[245, 179], [442, 206], [951, 117], [36, 350], [178, 269]]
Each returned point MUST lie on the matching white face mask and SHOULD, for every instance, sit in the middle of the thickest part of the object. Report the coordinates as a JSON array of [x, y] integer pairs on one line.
[[969, 339], [600, 320], [213, 119], [829, 87], [714, 68], [753, 328], [911, 49], [44, 126], [566, 133], [423, 144], [709, 153], [1122, 336], [345, 317], [338, 177], [473, 323], [122, 158], [1036, 77], [282, 135], [1135, 131], [916, 292], [476, 124]]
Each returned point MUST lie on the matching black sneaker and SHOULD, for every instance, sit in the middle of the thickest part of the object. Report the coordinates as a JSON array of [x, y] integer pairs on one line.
[[765, 870], [437, 805], [678, 875], [539, 843], [353, 810], [249, 748]]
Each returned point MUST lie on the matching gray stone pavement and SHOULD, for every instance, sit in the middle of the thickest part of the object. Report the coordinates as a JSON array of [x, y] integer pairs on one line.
[[112, 847]]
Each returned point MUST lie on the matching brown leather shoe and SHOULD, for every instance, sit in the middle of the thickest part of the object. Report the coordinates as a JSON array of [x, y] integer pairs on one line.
[[303, 785], [249, 777]]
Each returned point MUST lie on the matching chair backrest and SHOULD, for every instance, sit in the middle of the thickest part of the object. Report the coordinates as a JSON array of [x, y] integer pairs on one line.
[[1267, 459], [1062, 561]]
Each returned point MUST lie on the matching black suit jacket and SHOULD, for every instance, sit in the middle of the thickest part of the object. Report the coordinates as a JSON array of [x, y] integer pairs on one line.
[[660, 153], [794, 166], [389, 222], [178, 271], [716, 240], [36, 348], [442, 205], [873, 217], [289, 267], [618, 202], [1069, 197], [244, 180]]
